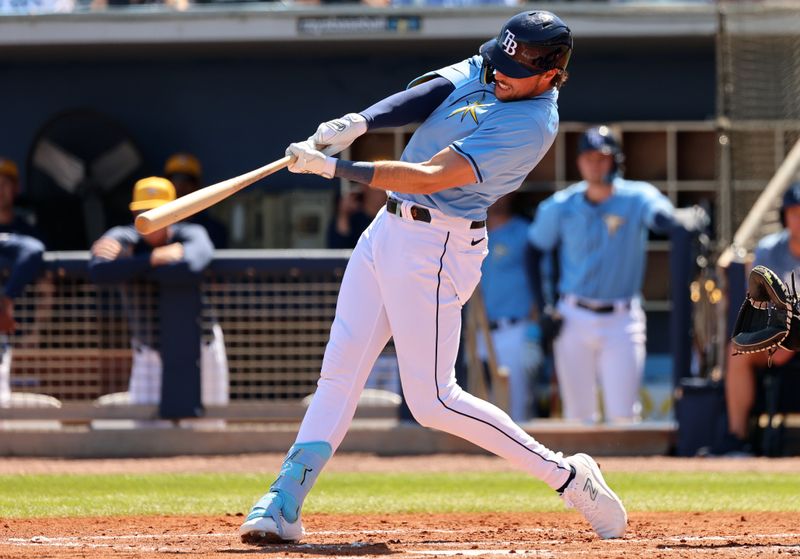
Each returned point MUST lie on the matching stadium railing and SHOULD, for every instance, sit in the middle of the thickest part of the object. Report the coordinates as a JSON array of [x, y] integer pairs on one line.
[[275, 308]]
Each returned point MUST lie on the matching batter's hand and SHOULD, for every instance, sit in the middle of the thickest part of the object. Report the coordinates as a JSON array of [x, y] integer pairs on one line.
[[335, 135], [309, 160]]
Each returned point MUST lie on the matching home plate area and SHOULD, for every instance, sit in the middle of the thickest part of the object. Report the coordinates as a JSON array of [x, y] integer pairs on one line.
[[562, 534]]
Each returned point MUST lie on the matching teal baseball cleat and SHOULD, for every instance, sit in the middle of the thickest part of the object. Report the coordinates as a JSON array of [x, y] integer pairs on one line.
[[275, 518]]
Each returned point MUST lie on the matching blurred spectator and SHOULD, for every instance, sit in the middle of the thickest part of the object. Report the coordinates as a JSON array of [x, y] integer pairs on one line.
[[180, 5], [781, 253], [455, 3], [185, 172], [24, 7], [509, 304], [599, 227], [174, 258], [20, 249], [356, 207]]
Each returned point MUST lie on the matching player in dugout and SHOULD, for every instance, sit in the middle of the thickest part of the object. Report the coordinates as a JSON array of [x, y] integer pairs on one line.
[[485, 123], [20, 248], [174, 255]]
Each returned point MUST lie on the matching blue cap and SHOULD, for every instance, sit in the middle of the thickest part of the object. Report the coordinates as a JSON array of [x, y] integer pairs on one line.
[[599, 138], [792, 196]]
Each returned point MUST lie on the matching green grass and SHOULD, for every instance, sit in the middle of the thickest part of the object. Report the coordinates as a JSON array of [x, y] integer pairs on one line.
[[211, 494]]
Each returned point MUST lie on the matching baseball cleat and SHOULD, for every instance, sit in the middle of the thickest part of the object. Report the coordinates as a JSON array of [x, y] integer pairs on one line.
[[589, 494], [264, 531], [266, 523]]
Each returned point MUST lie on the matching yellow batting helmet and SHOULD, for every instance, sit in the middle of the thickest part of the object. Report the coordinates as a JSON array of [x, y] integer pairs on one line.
[[9, 169], [184, 164], [151, 192]]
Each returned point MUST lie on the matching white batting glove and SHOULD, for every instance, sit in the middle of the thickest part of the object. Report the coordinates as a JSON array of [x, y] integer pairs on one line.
[[309, 160], [335, 135]]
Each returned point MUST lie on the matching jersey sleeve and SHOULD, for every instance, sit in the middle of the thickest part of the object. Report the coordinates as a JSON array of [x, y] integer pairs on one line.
[[457, 74], [198, 250], [505, 143], [655, 203], [762, 257], [124, 235], [543, 232]]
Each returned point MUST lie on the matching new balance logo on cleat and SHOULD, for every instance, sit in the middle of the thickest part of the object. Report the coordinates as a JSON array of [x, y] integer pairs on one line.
[[592, 497], [589, 486]]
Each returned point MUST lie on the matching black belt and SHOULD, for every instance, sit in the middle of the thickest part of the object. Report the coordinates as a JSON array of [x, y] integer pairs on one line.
[[418, 213], [601, 309], [495, 324]]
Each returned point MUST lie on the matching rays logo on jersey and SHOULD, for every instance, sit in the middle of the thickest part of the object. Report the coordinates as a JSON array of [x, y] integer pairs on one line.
[[472, 108], [613, 223]]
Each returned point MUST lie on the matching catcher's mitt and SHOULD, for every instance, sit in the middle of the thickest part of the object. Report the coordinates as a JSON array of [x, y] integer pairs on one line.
[[768, 318]]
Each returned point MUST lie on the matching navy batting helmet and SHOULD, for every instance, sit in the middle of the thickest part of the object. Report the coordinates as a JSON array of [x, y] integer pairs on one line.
[[602, 139], [790, 198], [529, 43]]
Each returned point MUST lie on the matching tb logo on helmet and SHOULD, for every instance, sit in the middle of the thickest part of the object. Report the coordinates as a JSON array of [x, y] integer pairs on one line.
[[509, 44]]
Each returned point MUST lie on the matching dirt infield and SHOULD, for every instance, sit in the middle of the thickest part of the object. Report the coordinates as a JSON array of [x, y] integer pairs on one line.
[[651, 535], [541, 535]]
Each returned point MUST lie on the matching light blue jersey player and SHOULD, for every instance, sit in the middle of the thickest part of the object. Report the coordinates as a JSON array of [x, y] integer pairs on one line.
[[485, 123], [509, 304], [600, 227], [780, 252]]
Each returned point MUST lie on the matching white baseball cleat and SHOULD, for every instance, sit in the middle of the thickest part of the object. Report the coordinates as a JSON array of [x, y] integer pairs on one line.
[[263, 531], [589, 494]]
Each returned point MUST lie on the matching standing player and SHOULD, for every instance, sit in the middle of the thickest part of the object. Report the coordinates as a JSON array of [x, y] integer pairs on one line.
[[600, 226], [509, 304], [486, 122], [20, 248]]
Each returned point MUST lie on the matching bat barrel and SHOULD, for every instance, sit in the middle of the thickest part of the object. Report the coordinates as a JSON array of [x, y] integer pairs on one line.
[[199, 200]]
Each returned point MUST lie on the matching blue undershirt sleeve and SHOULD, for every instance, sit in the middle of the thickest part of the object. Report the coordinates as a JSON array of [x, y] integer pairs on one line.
[[412, 105]]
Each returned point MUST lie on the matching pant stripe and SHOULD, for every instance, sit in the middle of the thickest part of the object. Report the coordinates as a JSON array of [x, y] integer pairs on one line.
[[436, 365]]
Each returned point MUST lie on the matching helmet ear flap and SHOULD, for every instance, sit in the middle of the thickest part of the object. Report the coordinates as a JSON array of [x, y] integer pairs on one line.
[[487, 72]]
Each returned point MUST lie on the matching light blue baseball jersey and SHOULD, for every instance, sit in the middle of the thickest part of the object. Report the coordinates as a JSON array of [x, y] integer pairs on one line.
[[504, 280], [773, 252], [602, 247], [502, 141]]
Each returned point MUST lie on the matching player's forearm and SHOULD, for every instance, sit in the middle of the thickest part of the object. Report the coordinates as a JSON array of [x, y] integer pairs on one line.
[[446, 169], [409, 178], [397, 176]]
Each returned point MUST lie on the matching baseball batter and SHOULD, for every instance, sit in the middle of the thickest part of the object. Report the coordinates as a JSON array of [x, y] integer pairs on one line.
[[600, 226], [486, 122]]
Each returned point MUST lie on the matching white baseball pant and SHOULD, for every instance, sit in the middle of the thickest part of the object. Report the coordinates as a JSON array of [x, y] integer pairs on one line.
[[604, 348], [408, 280]]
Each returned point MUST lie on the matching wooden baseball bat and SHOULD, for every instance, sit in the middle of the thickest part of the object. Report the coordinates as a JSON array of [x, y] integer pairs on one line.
[[183, 207]]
